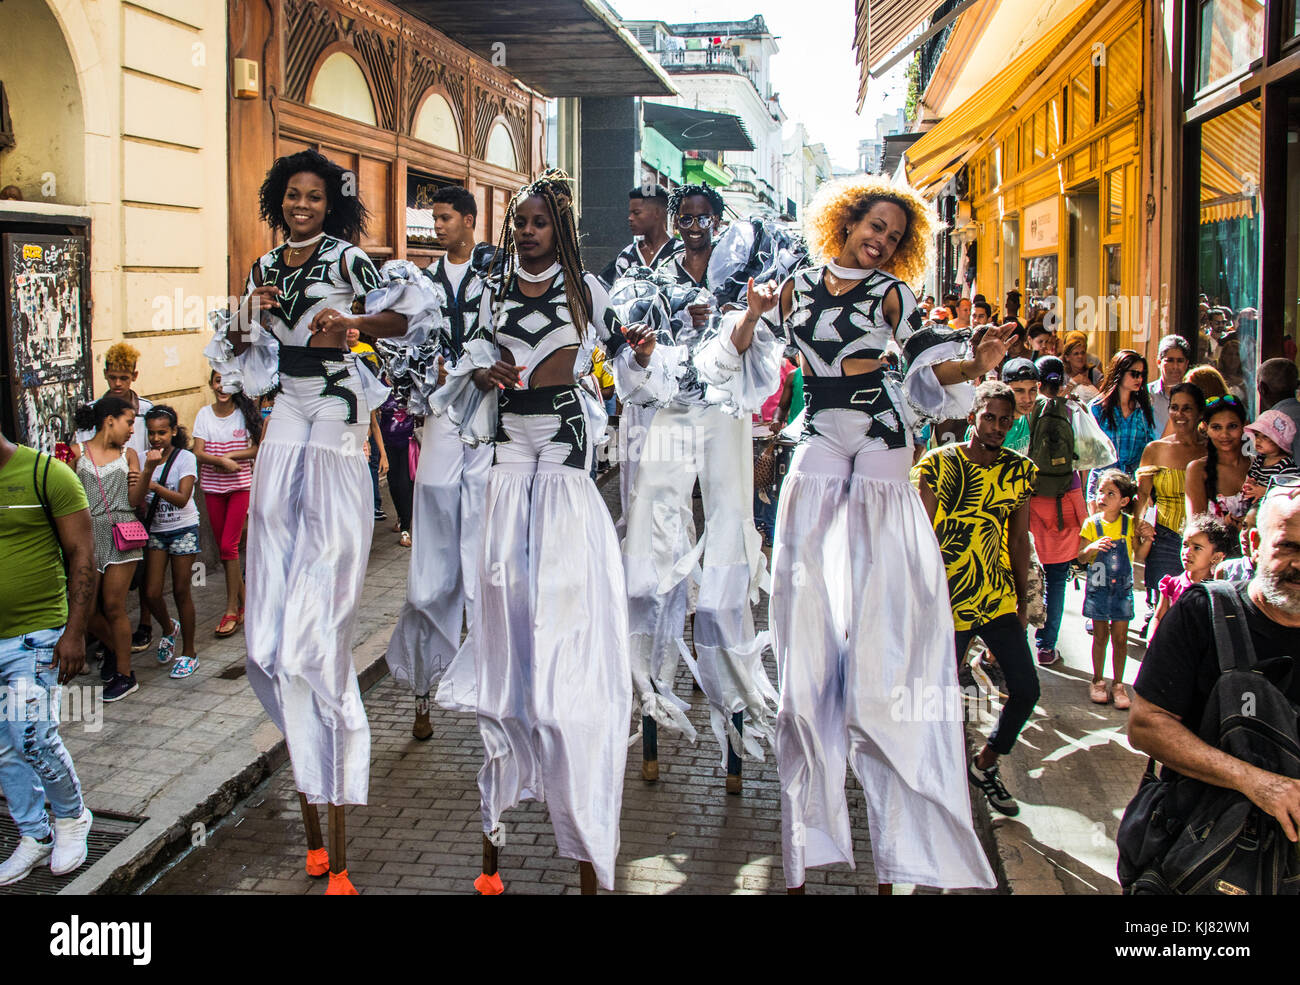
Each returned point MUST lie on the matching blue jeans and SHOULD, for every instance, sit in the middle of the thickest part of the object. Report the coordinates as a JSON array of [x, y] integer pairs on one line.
[[1057, 576], [374, 474], [33, 761]]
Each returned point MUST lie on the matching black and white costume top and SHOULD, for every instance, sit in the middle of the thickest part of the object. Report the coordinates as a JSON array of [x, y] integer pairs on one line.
[[334, 276], [460, 305], [532, 330], [631, 256]]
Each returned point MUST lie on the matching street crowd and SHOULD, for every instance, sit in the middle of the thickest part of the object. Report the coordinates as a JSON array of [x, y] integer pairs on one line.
[[912, 485]]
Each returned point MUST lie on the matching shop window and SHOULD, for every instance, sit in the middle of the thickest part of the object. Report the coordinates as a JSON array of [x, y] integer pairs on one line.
[[436, 124], [1053, 127], [1081, 103], [1231, 38], [1114, 200], [984, 177], [1228, 241], [340, 87], [1041, 280], [1123, 70], [1114, 274]]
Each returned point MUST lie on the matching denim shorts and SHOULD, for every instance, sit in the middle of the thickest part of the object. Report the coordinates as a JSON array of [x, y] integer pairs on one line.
[[177, 542], [1109, 601]]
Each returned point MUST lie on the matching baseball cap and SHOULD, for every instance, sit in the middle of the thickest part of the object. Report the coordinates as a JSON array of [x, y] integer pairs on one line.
[[1275, 425], [1018, 369]]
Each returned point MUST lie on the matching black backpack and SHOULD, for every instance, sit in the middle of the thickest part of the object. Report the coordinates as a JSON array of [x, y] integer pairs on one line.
[[1051, 448], [1184, 837]]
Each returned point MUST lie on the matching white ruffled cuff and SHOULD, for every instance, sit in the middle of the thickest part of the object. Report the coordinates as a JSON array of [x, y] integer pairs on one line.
[[408, 292], [930, 398], [655, 384], [254, 371], [472, 411], [739, 382]]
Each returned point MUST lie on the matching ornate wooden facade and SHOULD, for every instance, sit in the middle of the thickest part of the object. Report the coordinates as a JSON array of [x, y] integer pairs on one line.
[[404, 61]]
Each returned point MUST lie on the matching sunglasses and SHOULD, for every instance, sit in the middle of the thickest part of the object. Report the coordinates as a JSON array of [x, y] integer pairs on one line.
[[703, 221], [1137, 374], [1284, 483], [1226, 401]]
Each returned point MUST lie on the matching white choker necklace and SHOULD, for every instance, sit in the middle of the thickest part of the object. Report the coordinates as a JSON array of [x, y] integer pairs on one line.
[[305, 242], [847, 273], [546, 274]]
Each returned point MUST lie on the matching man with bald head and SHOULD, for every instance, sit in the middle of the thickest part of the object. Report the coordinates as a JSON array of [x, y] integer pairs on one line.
[[1181, 666], [1277, 382]]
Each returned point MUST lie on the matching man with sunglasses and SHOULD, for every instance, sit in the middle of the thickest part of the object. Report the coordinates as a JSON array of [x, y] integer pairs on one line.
[[1181, 664]]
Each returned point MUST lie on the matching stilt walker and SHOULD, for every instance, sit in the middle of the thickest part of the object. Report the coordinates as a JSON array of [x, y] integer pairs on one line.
[[310, 509], [451, 475], [549, 638], [859, 604]]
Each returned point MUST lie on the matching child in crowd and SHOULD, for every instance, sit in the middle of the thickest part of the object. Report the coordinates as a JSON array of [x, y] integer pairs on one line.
[[1206, 541], [1240, 568], [172, 519], [1273, 433], [226, 435], [1109, 542]]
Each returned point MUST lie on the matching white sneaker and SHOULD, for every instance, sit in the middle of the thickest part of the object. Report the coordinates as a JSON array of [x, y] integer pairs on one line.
[[70, 842], [28, 855]]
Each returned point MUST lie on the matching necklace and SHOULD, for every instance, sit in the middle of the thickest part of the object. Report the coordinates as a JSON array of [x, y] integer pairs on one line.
[[303, 244], [847, 273], [545, 275]]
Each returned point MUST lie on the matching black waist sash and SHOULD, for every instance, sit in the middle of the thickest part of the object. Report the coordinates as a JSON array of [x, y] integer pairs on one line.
[[864, 392]]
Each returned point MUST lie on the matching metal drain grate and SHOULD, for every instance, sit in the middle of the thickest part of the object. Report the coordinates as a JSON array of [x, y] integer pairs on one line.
[[234, 672], [107, 831]]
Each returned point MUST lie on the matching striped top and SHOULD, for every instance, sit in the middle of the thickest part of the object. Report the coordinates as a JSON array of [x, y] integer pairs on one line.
[[221, 436]]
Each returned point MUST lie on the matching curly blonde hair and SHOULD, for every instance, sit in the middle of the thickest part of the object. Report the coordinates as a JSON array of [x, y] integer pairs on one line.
[[840, 204], [121, 356]]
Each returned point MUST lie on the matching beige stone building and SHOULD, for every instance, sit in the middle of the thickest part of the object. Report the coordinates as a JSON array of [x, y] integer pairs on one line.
[[115, 137]]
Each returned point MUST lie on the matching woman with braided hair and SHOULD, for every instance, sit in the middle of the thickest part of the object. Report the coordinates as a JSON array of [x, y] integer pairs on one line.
[[549, 638], [859, 603]]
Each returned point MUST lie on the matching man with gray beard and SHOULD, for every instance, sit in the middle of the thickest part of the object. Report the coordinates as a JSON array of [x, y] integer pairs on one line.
[[1181, 665]]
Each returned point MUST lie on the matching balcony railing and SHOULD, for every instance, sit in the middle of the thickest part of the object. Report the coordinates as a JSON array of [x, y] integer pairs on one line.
[[707, 60]]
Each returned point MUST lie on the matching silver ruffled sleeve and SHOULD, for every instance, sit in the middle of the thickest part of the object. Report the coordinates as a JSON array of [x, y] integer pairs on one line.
[[404, 289], [254, 371], [471, 410], [929, 398], [739, 382], [653, 385]]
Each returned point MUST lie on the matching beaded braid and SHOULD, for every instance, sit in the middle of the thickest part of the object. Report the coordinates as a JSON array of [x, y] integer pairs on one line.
[[551, 186]]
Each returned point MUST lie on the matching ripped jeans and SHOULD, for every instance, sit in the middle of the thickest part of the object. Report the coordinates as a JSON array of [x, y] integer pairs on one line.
[[34, 764]]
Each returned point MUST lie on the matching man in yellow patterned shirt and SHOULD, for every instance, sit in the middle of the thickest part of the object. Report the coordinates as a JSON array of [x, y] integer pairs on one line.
[[977, 495]]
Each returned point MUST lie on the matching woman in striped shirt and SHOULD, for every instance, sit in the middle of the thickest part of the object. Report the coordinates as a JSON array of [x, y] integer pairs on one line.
[[226, 434]]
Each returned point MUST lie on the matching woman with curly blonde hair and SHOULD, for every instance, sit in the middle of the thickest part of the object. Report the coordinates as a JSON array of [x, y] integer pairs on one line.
[[859, 605]]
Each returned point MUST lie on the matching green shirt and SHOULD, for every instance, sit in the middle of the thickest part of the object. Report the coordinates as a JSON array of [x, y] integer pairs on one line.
[[32, 583]]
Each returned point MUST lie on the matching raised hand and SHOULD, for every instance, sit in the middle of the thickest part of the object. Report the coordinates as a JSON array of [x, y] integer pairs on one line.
[[992, 348], [763, 297], [642, 340]]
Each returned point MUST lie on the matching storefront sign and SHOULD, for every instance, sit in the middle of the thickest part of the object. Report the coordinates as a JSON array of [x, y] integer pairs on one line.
[[1041, 222]]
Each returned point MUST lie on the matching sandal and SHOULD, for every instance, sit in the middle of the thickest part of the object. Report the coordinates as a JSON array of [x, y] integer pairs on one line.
[[229, 623], [1098, 693]]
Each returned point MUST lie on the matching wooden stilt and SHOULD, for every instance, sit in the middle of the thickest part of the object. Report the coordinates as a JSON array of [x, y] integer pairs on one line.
[[489, 883], [490, 858], [885, 889], [796, 891], [649, 749], [338, 839], [734, 784], [422, 729], [587, 878], [311, 821]]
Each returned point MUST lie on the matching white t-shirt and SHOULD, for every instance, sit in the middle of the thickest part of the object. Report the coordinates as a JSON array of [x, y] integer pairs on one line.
[[221, 436], [455, 272], [169, 518]]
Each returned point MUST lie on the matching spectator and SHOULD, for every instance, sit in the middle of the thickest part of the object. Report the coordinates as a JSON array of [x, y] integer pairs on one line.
[[1209, 380], [940, 315], [398, 429], [172, 519], [1041, 340], [1056, 509], [981, 313], [1018, 346], [1162, 478], [1109, 542], [1181, 667], [1173, 357], [1274, 435], [1214, 482], [975, 494], [773, 416], [1277, 383], [110, 473], [1241, 568], [376, 458], [1022, 376], [226, 435], [1081, 373], [1012, 307], [1206, 541], [1230, 367], [963, 319], [43, 511], [1123, 409]]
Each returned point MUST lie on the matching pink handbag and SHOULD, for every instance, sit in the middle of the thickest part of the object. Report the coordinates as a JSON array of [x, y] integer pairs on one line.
[[127, 534], [412, 455]]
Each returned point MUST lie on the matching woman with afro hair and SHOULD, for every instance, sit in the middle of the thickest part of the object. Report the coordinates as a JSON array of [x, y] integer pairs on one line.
[[859, 605], [309, 524]]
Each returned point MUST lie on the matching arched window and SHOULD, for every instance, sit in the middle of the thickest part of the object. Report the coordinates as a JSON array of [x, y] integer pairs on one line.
[[341, 88], [500, 148], [435, 123]]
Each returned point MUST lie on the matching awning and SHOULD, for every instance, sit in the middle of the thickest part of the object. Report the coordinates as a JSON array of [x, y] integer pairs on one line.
[[558, 47], [1230, 155], [419, 225], [882, 25], [693, 129], [943, 149]]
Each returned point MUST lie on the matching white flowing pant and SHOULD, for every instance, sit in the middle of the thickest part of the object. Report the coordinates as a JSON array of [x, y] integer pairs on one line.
[[860, 620], [309, 529], [550, 637], [447, 538], [685, 443]]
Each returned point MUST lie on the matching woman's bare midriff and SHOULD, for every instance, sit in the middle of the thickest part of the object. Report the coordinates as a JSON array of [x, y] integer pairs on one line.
[[856, 367], [556, 369]]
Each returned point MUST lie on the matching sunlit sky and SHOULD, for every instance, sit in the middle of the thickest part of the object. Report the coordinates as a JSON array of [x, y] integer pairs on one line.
[[814, 71]]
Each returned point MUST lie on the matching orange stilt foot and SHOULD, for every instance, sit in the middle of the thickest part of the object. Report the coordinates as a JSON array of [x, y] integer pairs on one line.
[[340, 885], [489, 885], [318, 862]]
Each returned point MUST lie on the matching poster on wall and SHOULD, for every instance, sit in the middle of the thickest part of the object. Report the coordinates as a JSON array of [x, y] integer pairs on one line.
[[45, 317]]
